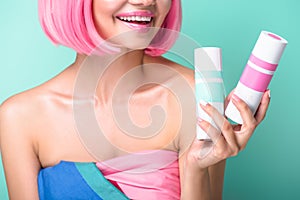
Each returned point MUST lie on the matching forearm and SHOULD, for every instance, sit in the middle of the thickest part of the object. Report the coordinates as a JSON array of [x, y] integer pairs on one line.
[[216, 176], [195, 185]]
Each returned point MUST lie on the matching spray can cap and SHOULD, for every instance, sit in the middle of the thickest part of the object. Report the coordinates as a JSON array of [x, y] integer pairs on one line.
[[269, 47]]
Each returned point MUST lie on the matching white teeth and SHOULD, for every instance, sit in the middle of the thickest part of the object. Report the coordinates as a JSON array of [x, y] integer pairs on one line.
[[136, 18]]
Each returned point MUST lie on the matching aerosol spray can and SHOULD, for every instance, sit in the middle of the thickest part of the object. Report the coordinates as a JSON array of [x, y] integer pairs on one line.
[[257, 73], [209, 84]]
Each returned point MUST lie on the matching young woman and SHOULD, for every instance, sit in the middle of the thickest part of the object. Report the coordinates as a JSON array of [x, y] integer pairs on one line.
[[69, 137]]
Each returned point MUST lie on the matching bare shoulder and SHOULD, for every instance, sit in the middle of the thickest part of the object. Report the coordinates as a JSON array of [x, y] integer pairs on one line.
[[17, 103], [19, 110], [23, 109]]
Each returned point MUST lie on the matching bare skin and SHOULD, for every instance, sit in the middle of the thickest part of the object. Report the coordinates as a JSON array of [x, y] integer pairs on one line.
[[46, 133]]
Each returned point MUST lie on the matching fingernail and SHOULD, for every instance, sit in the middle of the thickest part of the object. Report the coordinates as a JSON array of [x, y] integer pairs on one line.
[[269, 93], [203, 103], [199, 119]]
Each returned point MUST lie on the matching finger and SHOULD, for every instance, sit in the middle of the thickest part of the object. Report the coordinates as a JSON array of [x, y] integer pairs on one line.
[[245, 111], [222, 124], [263, 107], [227, 100], [212, 112], [221, 148], [210, 130]]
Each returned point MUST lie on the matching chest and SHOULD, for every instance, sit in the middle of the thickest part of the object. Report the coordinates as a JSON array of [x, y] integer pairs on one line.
[[91, 131]]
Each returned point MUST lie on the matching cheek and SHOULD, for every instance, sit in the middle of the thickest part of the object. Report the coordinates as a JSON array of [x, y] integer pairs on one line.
[[108, 5], [102, 11], [167, 5], [164, 9], [102, 28]]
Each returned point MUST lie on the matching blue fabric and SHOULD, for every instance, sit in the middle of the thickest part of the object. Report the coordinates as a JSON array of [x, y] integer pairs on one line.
[[64, 181]]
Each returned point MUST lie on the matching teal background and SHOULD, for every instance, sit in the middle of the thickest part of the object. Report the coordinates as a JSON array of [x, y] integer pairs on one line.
[[269, 167]]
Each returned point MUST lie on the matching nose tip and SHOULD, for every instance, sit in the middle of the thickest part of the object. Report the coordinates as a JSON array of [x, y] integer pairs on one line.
[[142, 2]]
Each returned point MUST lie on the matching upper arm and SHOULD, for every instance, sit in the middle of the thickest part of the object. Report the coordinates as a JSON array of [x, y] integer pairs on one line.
[[19, 158]]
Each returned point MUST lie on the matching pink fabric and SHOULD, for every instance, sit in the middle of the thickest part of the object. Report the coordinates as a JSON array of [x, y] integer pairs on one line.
[[148, 175]]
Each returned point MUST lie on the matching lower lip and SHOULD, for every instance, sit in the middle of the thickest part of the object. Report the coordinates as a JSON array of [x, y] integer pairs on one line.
[[137, 27]]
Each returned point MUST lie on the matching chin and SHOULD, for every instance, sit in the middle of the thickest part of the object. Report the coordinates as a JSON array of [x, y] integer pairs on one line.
[[134, 40]]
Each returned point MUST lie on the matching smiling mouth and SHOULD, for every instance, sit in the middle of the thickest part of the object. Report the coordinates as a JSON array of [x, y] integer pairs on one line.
[[142, 20]]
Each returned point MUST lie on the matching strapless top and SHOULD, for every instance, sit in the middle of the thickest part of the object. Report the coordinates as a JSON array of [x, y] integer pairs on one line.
[[148, 176]]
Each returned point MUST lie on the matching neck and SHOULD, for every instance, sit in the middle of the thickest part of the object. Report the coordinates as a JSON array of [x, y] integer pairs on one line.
[[107, 76]]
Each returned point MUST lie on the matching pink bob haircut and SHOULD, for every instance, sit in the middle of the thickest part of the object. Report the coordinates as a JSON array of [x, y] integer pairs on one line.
[[70, 23]]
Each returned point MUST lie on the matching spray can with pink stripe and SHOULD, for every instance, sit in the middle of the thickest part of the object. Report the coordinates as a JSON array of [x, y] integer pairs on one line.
[[257, 73]]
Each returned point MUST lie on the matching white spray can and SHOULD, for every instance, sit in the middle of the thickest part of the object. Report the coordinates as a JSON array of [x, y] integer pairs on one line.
[[209, 85], [257, 73]]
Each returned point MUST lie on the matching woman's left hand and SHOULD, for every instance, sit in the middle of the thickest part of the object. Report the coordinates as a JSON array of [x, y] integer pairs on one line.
[[232, 138]]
